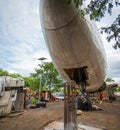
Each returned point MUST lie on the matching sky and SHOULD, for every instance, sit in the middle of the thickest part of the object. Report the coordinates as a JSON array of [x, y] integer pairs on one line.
[[22, 41]]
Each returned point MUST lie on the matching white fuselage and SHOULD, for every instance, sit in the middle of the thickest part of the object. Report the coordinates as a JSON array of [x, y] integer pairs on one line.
[[73, 42]]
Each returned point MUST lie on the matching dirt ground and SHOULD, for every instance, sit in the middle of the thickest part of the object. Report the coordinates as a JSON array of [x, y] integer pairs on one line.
[[36, 119]]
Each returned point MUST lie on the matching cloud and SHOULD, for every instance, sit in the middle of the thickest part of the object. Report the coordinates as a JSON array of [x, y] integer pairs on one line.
[[21, 38], [112, 58]]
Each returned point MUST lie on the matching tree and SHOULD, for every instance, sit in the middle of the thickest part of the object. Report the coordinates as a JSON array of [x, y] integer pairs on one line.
[[3, 72], [51, 75], [31, 82], [48, 75], [96, 10], [14, 75], [6, 73]]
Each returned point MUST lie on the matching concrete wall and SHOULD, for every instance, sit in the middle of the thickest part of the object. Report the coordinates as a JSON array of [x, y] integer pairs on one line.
[[4, 101]]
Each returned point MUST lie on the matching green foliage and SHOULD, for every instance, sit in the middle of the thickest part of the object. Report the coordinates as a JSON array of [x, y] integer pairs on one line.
[[14, 75], [113, 32], [48, 75], [3, 72], [32, 82], [117, 89], [57, 89], [6, 73], [44, 88], [96, 10], [34, 101], [109, 80]]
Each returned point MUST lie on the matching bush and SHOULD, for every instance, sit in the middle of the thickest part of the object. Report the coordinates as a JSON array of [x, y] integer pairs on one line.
[[34, 101]]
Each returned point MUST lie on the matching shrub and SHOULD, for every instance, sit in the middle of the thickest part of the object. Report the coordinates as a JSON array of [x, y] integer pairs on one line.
[[34, 101]]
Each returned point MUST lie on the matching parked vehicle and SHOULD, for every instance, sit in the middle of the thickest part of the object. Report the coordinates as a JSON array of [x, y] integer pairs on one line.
[[59, 95]]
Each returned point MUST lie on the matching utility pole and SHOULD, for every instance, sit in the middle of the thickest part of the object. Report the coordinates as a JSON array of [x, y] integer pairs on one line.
[[39, 90]]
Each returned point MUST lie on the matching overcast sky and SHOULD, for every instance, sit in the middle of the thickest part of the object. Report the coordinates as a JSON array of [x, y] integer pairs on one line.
[[22, 42]]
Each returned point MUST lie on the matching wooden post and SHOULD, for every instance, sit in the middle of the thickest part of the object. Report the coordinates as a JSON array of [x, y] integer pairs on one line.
[[70, 109]]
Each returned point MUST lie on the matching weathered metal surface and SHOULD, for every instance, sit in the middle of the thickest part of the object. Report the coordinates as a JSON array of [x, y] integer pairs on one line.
[[70, 112], [4, 101], [19, 104], [73, 42], [10, 89]]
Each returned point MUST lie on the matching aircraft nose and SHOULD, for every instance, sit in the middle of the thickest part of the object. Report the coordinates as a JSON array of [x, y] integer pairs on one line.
[[56, 13]]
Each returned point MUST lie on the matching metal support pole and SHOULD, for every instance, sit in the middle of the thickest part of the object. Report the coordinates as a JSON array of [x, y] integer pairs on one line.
[[70, 109], [39, 88]]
